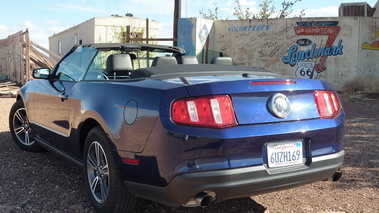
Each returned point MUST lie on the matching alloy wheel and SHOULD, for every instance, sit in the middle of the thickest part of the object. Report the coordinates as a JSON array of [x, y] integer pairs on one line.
[[21, 127], [98, 172]]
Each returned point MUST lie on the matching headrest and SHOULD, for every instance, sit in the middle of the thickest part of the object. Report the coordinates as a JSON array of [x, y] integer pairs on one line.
[[222, 61], [119, 62], [187, 59], [133, 56], [164, 61]]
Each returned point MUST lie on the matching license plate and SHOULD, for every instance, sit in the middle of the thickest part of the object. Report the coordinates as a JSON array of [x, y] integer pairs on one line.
[[284, 153]]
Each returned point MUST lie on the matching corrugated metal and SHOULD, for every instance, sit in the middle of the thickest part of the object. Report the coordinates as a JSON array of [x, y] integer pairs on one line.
[[353, 10], [356, 9]]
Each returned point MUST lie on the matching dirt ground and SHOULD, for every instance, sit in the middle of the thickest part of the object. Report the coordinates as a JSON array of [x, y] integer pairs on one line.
[[42, 182]]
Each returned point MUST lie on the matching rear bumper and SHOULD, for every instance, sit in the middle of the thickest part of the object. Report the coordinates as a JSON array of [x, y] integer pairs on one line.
[[241, 182]]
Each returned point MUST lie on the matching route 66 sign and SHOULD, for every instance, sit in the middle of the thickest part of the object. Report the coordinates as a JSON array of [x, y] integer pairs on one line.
[[306, 70]]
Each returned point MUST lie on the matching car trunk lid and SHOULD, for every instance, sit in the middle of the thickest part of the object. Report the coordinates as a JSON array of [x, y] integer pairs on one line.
[[252, 99]]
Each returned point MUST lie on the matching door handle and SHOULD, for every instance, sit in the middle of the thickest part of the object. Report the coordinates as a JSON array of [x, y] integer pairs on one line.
[[63, 96]]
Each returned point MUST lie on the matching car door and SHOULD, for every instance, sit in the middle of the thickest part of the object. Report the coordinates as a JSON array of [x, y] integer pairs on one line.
[[52, 99]]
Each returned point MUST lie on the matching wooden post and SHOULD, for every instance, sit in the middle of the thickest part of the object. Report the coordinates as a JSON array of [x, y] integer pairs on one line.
[[147, 30], [177, 15], [27, 73], [128, 34], [147, 41]]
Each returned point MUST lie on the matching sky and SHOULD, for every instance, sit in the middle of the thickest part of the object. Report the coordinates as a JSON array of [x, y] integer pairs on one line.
[[44, 18]]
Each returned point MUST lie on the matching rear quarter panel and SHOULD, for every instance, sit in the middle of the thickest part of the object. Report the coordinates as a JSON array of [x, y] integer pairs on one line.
[[127, 111]]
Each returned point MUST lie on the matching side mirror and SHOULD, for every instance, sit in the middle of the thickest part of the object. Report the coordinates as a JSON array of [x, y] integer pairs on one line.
[[41, 73]]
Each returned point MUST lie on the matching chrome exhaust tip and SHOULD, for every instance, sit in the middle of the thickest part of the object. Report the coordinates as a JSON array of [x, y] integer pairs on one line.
[[203, 199]]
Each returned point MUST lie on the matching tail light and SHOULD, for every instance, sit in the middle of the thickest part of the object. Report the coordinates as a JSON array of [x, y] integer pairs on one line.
[[327, 104], [206, 111]]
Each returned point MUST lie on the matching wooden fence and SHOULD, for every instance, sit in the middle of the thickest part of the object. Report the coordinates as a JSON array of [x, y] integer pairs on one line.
[[19, 56]]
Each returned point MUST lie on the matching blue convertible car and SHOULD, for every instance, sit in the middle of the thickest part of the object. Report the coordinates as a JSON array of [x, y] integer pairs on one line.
[[148, 121]]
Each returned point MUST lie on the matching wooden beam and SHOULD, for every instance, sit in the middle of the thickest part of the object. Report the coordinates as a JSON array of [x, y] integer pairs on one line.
[[58, 57], [28, 73], [40, 59]]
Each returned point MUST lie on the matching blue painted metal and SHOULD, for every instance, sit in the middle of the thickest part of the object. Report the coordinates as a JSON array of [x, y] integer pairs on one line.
[[135, 114]]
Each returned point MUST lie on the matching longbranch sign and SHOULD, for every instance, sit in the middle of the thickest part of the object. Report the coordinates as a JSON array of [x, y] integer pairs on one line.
[[294, 55], [310, 67]]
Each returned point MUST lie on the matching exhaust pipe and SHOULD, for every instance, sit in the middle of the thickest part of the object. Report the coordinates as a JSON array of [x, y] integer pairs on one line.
[[336, 176], [203, 199]]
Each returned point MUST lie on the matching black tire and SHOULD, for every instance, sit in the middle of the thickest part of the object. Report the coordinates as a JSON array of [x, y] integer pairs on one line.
[[102, 175], [20, 128]]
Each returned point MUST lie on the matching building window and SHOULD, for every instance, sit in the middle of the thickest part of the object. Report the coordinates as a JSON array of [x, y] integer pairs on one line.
[[59, 47]]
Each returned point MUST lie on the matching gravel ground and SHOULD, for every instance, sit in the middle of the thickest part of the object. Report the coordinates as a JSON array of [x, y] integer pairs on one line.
[[42, 182]]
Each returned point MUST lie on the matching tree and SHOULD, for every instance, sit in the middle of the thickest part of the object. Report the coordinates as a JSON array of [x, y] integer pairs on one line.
[[210, 15], [267, 9], [287, 9], [242, 14], [120, 34], [142, 57]]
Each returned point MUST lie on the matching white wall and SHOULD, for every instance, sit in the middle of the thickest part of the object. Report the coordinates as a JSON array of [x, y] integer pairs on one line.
[[107, 26], [376, 6], [99, 30], [348, 44]]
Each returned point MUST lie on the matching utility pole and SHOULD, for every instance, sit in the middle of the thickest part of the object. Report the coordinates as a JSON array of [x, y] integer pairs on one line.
[[177, 15]]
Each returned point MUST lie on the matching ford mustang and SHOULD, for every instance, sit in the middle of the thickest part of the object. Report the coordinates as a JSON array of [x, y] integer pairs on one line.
[[148, 121]]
